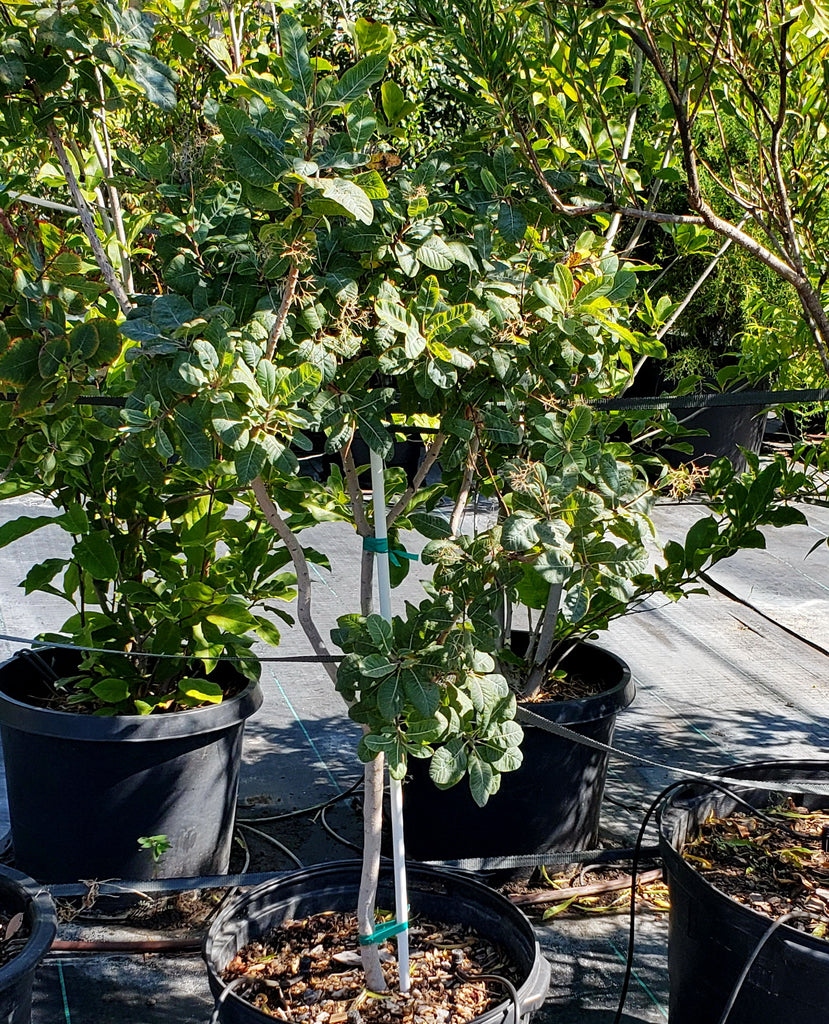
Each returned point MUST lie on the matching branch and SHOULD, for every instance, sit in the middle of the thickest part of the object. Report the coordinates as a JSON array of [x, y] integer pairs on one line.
[[303, 577], [429, 459], [288, 293], [591, 889], [466, 485], [571, 210], [87, 223], [372, 830]]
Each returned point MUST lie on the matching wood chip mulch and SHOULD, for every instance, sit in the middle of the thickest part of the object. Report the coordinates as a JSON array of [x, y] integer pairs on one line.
[[308, 971], [761, 866]]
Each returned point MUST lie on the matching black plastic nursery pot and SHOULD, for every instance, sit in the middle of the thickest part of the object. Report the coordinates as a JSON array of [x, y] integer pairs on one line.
[[440, 895], [83, 789], [552, 802], [712, 936], [728, 429], [20, 895]]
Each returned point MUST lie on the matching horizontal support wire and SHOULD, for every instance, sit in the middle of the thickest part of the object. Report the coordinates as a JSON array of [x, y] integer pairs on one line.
[[302, 658], [708, 400]]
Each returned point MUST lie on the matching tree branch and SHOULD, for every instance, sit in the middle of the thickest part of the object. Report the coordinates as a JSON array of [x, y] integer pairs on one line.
[[288, 293], [429, 459], [88, 225], [303, 577]]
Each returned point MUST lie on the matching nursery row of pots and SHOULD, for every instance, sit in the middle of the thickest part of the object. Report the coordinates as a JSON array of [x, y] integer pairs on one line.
[[68, 824]]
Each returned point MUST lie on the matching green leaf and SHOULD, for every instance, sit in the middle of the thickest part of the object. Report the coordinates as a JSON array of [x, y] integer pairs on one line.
[[375, 666], [483, 780], [347, 195], [156, 79], [421, 691], [295, 54], [96, 555], [19, 364], [40, 576], [196, 446], [199, 691], [227, 422], [22, 527], [380, 631], [373, 36], [111, 690], [390, 698], [578, 423], [448, 764], [395, 104], [267, 631], [358, 80], [519, 533], [297, 383], [255, 164], [169, 312], [12, 73], [435, 254], [232, 122], [250, 461], [233, 618], [361, 124], [511, 223]]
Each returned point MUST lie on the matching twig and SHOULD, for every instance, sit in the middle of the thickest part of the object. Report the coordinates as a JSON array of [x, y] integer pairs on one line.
[[593, 889]]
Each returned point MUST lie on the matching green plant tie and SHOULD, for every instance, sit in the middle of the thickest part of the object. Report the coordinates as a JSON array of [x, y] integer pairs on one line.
[[380, 545], [385, 931]]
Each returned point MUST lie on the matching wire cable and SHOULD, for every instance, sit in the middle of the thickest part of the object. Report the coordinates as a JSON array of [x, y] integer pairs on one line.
[[302, 811], [501, 980], [336, 835], [274, 842]]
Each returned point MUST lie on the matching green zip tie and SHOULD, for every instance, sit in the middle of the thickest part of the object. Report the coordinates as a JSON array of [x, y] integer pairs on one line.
[[385, 931], [380, 545]]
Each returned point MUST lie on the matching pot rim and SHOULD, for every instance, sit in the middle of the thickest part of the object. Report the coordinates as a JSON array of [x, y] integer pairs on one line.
[[69, 725], [41, 910]]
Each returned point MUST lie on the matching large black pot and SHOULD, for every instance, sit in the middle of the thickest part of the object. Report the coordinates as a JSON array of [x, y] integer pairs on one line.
[[437, 894], [552, 802], [711, 936], [83, 788], [728, 428], [20, 895]]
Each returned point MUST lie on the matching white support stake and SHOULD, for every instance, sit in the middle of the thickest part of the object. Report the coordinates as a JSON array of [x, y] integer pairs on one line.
[[401, 896]]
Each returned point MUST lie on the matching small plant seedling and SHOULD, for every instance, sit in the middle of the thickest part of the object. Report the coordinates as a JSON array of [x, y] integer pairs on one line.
[[157, 845]]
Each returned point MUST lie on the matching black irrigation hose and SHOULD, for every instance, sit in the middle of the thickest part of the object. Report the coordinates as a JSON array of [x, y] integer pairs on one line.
[[505, 982], [302, 811], [337, 836], [707, 400]]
